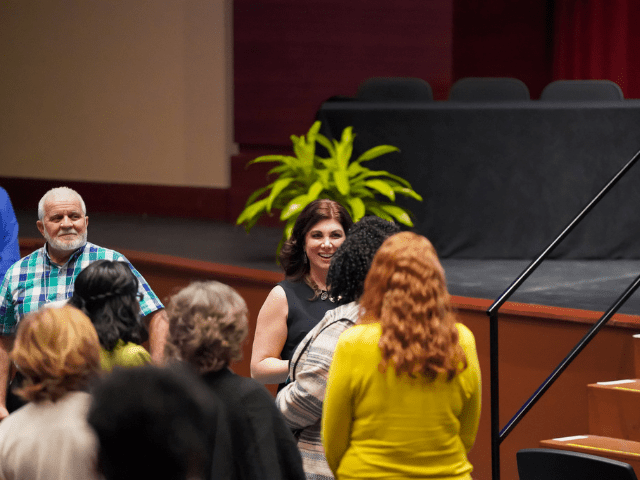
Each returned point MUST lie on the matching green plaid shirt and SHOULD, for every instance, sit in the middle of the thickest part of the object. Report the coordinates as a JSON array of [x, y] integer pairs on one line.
[[35, 281]]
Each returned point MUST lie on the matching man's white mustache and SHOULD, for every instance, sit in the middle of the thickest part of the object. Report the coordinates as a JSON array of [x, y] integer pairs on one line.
[[67, 232]]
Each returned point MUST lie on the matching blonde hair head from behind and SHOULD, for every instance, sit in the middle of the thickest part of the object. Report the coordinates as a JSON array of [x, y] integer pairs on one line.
[[405, 290], [207, 326], [57, 350]]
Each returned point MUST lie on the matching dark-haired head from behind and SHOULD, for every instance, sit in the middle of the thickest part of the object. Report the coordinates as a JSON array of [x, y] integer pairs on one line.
[[351, 262], [106, 291], [153, 422]]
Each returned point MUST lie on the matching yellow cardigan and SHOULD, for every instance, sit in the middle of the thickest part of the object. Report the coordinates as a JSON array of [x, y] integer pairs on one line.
[[379, 425]]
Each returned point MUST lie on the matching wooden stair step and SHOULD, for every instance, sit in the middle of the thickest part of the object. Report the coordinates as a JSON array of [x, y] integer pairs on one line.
[[615, 448], [613, 409]]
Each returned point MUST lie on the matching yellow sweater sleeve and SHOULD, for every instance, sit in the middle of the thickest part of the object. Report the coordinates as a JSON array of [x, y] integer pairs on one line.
[[337, 411], [472, 384]]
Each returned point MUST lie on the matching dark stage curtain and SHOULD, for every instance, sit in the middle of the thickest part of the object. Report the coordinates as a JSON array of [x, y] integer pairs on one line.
[[592, 40]]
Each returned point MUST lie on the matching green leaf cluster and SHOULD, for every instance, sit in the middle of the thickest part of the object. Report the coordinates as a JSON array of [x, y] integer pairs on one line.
[[308, 176]]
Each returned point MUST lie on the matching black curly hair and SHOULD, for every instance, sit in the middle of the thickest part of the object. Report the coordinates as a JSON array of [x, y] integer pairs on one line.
[[106, 292], [351, 262]]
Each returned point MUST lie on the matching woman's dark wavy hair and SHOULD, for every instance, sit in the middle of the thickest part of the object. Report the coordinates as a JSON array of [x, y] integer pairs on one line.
[[351, 262], [292, 254], [106, 292]]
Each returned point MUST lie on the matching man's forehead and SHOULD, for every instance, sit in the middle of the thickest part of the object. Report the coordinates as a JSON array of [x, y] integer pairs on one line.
[[64, 203]]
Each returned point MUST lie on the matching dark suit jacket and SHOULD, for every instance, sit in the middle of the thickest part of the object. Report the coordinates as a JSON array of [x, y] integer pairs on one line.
[[254, 442]]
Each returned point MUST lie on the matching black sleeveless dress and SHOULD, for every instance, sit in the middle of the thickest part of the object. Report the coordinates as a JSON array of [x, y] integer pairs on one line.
[[303, 314]]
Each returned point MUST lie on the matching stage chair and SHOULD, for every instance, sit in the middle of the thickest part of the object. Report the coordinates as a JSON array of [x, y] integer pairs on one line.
[[550, 464], [394, 89], [489, 89], [582, 90]]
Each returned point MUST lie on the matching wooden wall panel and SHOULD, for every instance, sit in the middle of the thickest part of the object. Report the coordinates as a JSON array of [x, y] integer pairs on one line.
[[290, 56], [130, 198], [503, 38], [118, 92]]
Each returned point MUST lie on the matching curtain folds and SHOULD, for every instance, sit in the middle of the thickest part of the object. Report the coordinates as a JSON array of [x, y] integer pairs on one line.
[[591, 40]]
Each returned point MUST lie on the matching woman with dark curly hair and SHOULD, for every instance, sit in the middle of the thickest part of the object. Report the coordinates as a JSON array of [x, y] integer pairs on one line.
[[300, 401], [107, 292], [57, 351], [207, 326], [403, 391], [298, 303]]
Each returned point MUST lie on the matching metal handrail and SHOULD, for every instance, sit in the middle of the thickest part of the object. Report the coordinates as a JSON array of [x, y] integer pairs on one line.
[[497, 436]]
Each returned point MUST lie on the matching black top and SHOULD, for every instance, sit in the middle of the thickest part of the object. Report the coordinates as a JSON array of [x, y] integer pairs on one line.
[[303, 314], [254, 443]]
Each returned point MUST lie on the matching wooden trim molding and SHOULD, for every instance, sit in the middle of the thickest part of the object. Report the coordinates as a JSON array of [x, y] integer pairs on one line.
[[169, 265], [133, 199], [196, 268], [544, 312]]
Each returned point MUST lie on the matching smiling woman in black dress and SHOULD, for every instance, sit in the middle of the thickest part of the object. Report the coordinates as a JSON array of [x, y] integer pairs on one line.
[[297, 304]]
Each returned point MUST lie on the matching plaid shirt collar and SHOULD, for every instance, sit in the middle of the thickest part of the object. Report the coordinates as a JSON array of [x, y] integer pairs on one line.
[[72, 258], [35, 281]]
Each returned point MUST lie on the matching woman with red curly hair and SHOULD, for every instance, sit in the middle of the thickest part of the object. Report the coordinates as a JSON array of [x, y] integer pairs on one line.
[[403, 392]]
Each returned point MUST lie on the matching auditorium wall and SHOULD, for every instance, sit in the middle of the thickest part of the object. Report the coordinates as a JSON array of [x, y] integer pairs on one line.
[[144, 95], [310, 51], [117, 92], [290, 56], [503, 38]]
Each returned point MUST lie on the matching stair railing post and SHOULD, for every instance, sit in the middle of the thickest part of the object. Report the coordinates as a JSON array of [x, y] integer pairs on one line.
[[620, 301], [496, 435], [495, 395]]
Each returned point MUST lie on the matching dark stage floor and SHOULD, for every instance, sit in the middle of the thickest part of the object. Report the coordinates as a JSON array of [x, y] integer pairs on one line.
[[582, 284]]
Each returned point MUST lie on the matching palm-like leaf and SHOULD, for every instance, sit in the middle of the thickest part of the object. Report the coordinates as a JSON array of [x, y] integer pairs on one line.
[[308, 176], [382, 187], [295, 206], [326, 143], [375, 152], [277, 187]]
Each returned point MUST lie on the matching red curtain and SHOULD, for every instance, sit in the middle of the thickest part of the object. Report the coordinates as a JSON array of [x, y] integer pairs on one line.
[[591, 40]]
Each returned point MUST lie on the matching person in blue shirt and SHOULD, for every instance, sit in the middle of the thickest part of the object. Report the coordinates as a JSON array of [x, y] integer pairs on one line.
[[9, 249]]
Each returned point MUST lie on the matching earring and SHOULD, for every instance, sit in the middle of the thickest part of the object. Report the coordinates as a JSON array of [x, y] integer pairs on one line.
[[306, 259]]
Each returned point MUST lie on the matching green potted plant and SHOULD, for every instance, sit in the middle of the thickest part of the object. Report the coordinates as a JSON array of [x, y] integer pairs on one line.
[[308, 176]]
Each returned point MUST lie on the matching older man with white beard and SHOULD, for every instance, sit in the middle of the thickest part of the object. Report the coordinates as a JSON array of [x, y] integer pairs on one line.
[[47, 276]]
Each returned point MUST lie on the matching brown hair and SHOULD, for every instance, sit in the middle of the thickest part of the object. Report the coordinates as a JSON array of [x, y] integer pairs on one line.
[[292, 257], [406, 291], [207, 325], [57, 350]]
